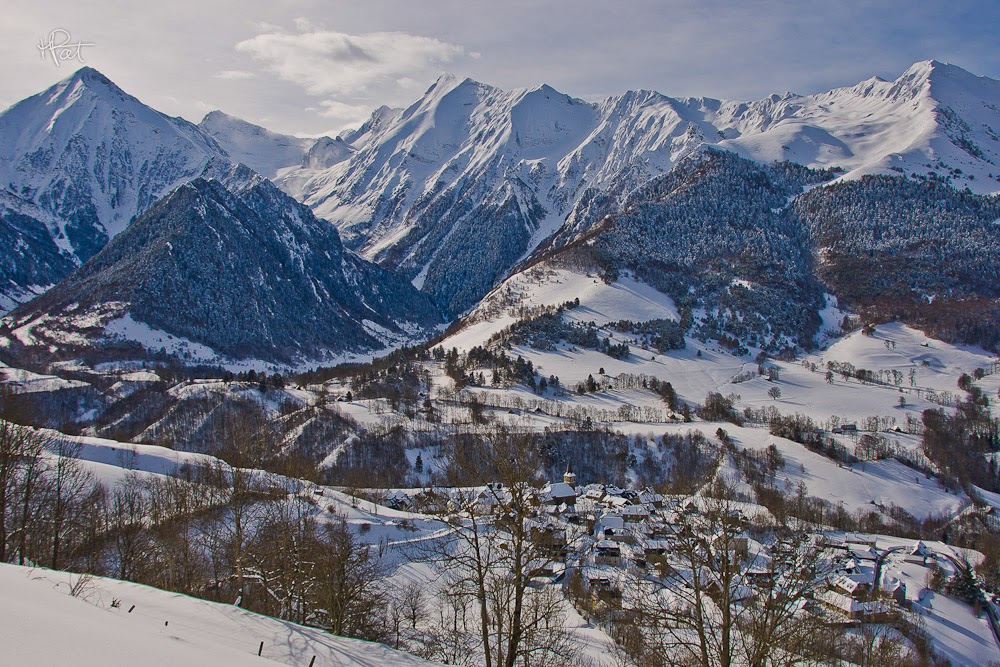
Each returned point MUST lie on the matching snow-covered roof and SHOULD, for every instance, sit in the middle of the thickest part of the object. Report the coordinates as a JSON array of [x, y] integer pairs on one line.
[[560, 490], [850, 606], [850, 583]]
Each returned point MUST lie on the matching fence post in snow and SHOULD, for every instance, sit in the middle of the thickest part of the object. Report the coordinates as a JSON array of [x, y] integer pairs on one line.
[[312, 662], [261, 649]]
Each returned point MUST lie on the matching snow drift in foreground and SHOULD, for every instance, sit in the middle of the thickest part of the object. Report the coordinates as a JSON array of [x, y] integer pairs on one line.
[[41, 623]]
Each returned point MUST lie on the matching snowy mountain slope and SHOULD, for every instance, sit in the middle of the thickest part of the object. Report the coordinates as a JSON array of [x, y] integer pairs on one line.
[[553, 283], [89, 153], [41, 623], [31, 260], [83, 157], [755, 254], [238, 268], [934, 118], [509, 168], [267, 152], [469, 168]]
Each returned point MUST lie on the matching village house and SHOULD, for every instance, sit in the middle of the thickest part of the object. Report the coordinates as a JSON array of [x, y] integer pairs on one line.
[[612, 528], [607, 552], [651, 499], [847, 606], [856, 586], [918, 555], [635, 513], [552, 540], [738, 546]]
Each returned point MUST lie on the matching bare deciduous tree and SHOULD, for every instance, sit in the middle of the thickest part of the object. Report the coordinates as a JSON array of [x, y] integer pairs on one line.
[[20, 448], [245, 442], [493, 556], [350, 596], [69, 482], [128, 510]]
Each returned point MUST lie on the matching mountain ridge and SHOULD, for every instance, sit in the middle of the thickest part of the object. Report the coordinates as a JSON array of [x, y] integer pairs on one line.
[[470, 159], [469, 181]]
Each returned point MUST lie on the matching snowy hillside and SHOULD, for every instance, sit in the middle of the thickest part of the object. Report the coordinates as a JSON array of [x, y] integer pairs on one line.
[[382, 434], [110, 622]]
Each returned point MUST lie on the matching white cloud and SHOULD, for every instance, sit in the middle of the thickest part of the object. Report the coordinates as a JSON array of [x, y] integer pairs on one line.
[[345, 115], [235, 75], [325, 62]]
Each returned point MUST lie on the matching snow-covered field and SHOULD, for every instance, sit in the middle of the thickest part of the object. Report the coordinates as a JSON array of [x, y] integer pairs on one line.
[[921, 371]]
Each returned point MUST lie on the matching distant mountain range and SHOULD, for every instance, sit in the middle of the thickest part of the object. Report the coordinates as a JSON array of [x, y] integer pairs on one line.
[[455, 192], [471, 172]]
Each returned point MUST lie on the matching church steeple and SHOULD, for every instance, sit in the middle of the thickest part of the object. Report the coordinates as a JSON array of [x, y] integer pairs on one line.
[[569, 477]]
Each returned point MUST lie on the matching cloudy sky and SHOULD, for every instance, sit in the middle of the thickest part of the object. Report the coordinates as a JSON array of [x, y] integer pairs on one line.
[[311, 67]]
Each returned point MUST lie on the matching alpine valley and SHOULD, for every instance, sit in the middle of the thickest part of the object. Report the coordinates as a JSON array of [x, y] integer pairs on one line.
[[764, 330]]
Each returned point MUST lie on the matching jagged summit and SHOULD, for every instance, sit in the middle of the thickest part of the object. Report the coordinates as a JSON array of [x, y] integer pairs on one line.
[[92, 76]]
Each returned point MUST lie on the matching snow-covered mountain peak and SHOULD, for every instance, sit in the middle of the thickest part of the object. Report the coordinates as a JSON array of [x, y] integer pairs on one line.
[[86, 102], [448, 82], [83, 157], [93, 81], [380, 118], [216, 120], [88, 76], [950, 84], [933, 118], [269, 152]]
